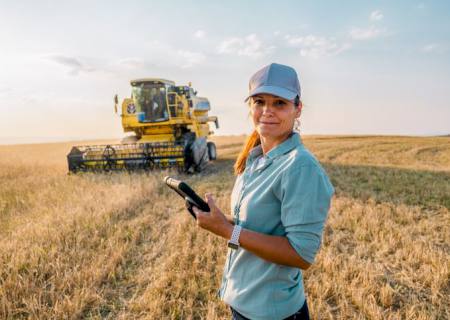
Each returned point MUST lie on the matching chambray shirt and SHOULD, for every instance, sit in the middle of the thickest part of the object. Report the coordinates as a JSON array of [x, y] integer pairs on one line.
[[285, 193]]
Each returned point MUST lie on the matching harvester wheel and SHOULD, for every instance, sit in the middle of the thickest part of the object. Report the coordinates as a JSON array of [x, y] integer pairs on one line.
[[203, 161], [212, 151], [196, 155]]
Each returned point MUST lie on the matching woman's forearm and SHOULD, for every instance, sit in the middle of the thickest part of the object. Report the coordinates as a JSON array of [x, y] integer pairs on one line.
[[275, 249]]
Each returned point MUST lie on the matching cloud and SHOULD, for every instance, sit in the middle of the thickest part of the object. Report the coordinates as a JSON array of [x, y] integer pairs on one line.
[[315, 46], [249, 46], [376, 15], [19, 96], [4, 91], [188, 59], [199, 34], [74, 65], [131, 63], [161, 54], [433, 48], [366, 33], [25, 96]]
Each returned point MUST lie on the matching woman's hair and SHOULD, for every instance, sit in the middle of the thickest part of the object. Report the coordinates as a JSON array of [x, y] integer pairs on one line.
[[252, 141]]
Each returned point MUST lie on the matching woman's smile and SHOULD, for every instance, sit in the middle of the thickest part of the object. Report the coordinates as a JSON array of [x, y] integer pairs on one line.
[[268, 123]]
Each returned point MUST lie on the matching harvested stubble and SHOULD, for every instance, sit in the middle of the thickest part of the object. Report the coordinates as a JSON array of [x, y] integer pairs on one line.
[[120, 246]]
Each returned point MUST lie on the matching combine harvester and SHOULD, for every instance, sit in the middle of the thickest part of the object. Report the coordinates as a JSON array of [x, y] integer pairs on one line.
[[170, 125]]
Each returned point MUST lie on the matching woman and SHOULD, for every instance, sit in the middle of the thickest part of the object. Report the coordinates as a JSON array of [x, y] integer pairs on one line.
[[279, 205]]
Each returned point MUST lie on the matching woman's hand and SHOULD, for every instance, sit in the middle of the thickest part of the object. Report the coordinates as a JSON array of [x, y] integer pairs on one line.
[[214, 221]]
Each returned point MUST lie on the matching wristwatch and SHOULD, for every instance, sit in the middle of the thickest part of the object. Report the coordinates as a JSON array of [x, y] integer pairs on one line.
[[233, 243]]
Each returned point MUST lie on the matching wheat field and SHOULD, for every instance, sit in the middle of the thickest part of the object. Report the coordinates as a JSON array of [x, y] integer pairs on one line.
[[121, 246]]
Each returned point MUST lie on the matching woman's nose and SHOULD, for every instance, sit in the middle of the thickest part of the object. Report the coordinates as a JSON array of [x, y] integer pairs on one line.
[[267, 109]]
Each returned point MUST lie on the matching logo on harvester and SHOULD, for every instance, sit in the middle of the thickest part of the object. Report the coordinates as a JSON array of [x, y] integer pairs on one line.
[[131, 108]]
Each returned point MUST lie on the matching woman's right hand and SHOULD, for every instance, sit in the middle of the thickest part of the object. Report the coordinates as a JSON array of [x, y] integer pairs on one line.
[[214, 221]]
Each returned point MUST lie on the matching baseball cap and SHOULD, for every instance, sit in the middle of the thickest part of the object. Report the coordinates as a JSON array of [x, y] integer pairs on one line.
[[276, 79]]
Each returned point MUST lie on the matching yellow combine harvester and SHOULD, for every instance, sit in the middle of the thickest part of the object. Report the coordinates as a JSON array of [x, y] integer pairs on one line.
[[170, 125]]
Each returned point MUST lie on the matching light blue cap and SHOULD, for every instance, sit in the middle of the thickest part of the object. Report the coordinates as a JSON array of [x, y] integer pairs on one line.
[[275, 79]]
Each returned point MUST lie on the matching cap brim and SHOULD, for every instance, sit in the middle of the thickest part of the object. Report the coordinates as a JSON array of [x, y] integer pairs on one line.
[[276, 91]]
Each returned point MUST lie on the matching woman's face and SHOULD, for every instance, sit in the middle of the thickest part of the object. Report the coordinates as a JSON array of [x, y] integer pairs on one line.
[[273, 117]]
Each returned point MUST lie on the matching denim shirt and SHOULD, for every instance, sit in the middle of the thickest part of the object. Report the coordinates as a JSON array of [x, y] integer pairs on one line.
[[286, 193]]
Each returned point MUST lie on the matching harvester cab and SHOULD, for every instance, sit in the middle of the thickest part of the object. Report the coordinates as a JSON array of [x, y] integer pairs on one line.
[[170, 126]]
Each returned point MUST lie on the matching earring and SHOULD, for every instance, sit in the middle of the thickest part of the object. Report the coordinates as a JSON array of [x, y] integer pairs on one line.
[[297, 125]]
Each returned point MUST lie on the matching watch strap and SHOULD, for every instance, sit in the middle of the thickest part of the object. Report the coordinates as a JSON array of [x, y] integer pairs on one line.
[[233, 243]]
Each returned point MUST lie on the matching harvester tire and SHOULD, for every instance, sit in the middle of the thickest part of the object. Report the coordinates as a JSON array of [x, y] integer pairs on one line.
[[212, 151], [203, 161], [200, 154], [196, 155]]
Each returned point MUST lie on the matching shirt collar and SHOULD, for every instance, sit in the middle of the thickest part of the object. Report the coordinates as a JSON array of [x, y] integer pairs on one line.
[[255, 152], [290, 143]]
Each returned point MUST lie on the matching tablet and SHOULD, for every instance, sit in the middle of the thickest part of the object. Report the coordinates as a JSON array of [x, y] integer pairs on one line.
[[189, 195]]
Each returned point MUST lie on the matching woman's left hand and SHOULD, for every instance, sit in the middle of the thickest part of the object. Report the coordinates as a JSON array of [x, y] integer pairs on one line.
[[214, 221]]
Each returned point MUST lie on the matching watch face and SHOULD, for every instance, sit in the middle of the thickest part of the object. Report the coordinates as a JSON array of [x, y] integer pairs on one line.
[[233, 246]]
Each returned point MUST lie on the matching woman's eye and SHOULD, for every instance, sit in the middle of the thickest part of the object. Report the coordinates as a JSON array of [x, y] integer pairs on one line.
[[258, 102], [280, 103]]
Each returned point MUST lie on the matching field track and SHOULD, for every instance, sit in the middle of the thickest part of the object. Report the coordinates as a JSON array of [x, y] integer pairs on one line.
[[121, 246]]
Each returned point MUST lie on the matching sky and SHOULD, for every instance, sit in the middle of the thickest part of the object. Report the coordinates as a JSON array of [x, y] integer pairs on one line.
[[365, 67]]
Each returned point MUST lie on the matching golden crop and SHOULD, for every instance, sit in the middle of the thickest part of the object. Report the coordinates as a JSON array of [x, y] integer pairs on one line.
[[121, 246]]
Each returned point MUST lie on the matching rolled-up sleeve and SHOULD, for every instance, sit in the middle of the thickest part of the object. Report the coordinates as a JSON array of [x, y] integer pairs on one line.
[[306, 195]]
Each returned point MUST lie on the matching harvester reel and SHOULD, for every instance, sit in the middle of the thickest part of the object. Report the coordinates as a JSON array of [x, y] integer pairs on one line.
[[109, 154], [137, 156], [149, 164]]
